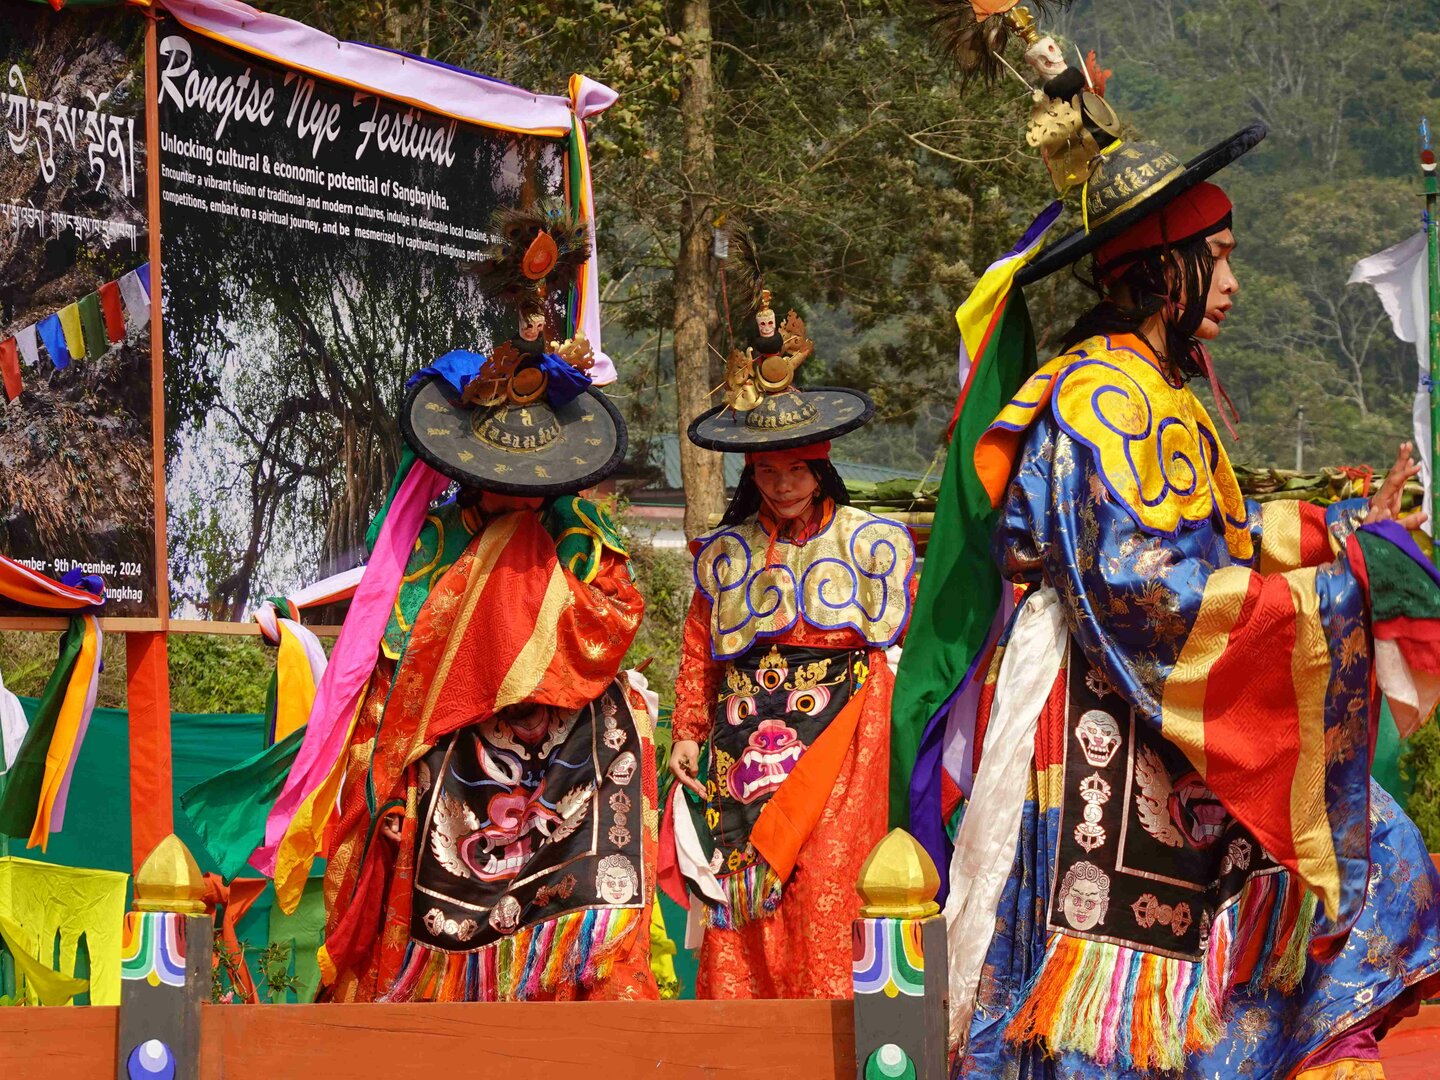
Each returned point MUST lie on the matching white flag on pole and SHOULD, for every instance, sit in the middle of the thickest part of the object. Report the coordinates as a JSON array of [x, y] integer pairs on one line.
[[1399, 277]]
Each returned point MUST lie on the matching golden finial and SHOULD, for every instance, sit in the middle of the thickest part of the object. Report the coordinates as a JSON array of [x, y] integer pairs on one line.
[[169, 880], [898, 880], [1023, 23]]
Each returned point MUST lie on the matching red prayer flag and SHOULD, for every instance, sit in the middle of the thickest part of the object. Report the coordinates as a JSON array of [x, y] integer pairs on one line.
[[114, 313], [10, 368]]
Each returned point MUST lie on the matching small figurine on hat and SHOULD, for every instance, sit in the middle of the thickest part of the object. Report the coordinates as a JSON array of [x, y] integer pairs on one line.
[[767, 365], [525, 419], [1070, 121]]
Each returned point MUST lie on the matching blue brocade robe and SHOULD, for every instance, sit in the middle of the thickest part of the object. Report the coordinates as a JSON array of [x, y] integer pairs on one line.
[[1204, 750]]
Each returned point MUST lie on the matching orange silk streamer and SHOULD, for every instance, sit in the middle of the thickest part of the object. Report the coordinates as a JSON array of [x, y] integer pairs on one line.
[[67, 728], [789, 817]]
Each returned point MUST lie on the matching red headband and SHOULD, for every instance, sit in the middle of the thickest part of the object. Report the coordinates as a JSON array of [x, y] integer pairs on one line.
[[814, 452], [1198, 212]]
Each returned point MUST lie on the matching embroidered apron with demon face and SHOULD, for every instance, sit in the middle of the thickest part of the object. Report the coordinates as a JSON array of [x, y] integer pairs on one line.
[[1147, 854], [775, 702], [526, 821]]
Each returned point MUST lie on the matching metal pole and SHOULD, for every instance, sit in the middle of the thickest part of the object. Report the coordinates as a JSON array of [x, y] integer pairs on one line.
[[1300, 439], [1432, 236]]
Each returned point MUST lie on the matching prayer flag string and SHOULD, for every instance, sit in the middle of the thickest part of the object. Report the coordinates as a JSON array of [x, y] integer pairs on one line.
[[83, 330]]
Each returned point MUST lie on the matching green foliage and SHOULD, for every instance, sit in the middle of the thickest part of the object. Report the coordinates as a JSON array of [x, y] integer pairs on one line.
[[664, 578], [209, 673], [215, 673], [275, 971], [224, 979], [1420, 762]]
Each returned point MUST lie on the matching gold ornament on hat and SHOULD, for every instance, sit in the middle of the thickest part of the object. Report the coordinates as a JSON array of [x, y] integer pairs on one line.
[[505, 378], [749, 378], [1071, 123]]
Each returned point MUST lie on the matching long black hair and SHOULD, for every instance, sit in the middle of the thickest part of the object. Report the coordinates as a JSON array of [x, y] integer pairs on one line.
[[1178, 274], [745, 503]]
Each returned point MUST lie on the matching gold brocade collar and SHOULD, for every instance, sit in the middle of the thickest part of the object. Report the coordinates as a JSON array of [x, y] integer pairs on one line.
[[853, 573], [1155, 447]]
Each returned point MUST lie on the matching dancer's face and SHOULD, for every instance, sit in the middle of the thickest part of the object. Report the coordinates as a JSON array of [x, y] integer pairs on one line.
[[1223, 286], [787, 486]]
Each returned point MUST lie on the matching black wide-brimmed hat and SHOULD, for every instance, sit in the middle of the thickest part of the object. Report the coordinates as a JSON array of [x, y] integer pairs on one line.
[[1131, 181], [783, 420], [531, 449]]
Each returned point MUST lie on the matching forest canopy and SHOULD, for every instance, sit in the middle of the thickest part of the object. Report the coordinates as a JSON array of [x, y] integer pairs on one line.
[[878, 189]]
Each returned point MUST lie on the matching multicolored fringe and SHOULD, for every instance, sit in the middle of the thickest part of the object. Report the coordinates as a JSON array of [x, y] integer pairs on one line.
[[580, 947], [1140, 1010], [752, 893]]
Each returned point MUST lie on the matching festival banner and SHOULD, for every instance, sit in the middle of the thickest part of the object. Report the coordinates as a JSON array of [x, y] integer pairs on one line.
[[77, 485], [317, 236]]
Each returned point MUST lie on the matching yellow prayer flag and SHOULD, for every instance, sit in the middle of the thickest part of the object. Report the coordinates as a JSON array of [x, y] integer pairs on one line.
[[305, 837], [295, 685], [74, 336]]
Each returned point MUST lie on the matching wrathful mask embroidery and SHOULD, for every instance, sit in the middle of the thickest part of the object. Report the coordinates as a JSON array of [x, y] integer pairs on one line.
[[775, 701], [528, 817]]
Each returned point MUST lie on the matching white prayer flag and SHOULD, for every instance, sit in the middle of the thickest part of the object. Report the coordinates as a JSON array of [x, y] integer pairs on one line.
[[137, 300], [29, 347], [13, 727], [1399, 275]]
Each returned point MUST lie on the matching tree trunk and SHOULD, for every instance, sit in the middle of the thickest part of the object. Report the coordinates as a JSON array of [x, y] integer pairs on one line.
[[700, 470]]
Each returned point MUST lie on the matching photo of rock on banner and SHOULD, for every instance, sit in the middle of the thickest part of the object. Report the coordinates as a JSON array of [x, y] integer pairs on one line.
[[77, 485], [317, 239]]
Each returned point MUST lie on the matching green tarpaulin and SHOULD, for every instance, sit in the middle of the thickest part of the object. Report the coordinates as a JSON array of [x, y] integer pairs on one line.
[[97, 820]]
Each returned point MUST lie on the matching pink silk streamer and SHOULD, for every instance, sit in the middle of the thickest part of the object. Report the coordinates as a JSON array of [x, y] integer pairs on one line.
[[338, 695]]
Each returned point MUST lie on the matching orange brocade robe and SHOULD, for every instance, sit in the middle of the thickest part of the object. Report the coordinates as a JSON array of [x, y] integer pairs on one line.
[[446, 680], [803, 948]]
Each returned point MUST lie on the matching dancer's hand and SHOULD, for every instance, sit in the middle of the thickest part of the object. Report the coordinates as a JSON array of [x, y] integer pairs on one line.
[[1385, 503], [685, 765], [390, 827]]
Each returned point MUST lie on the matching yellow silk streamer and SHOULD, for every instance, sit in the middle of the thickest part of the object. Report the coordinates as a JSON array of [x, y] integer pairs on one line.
[[304, 838], [46, 984], [74, 337], [67, 729], [295, 685]]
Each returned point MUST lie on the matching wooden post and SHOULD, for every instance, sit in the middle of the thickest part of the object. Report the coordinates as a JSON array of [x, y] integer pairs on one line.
[[165, 968], [900, 968]]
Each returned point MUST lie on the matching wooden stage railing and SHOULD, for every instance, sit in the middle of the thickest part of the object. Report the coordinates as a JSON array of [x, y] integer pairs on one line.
[[892, 1031], [659, 1040], [165, 1026]]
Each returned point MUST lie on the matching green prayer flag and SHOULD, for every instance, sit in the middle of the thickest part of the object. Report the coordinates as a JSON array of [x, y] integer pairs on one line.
[[92, 326], [1399, 586], [20, 799], [228, 811], [304, 932]]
